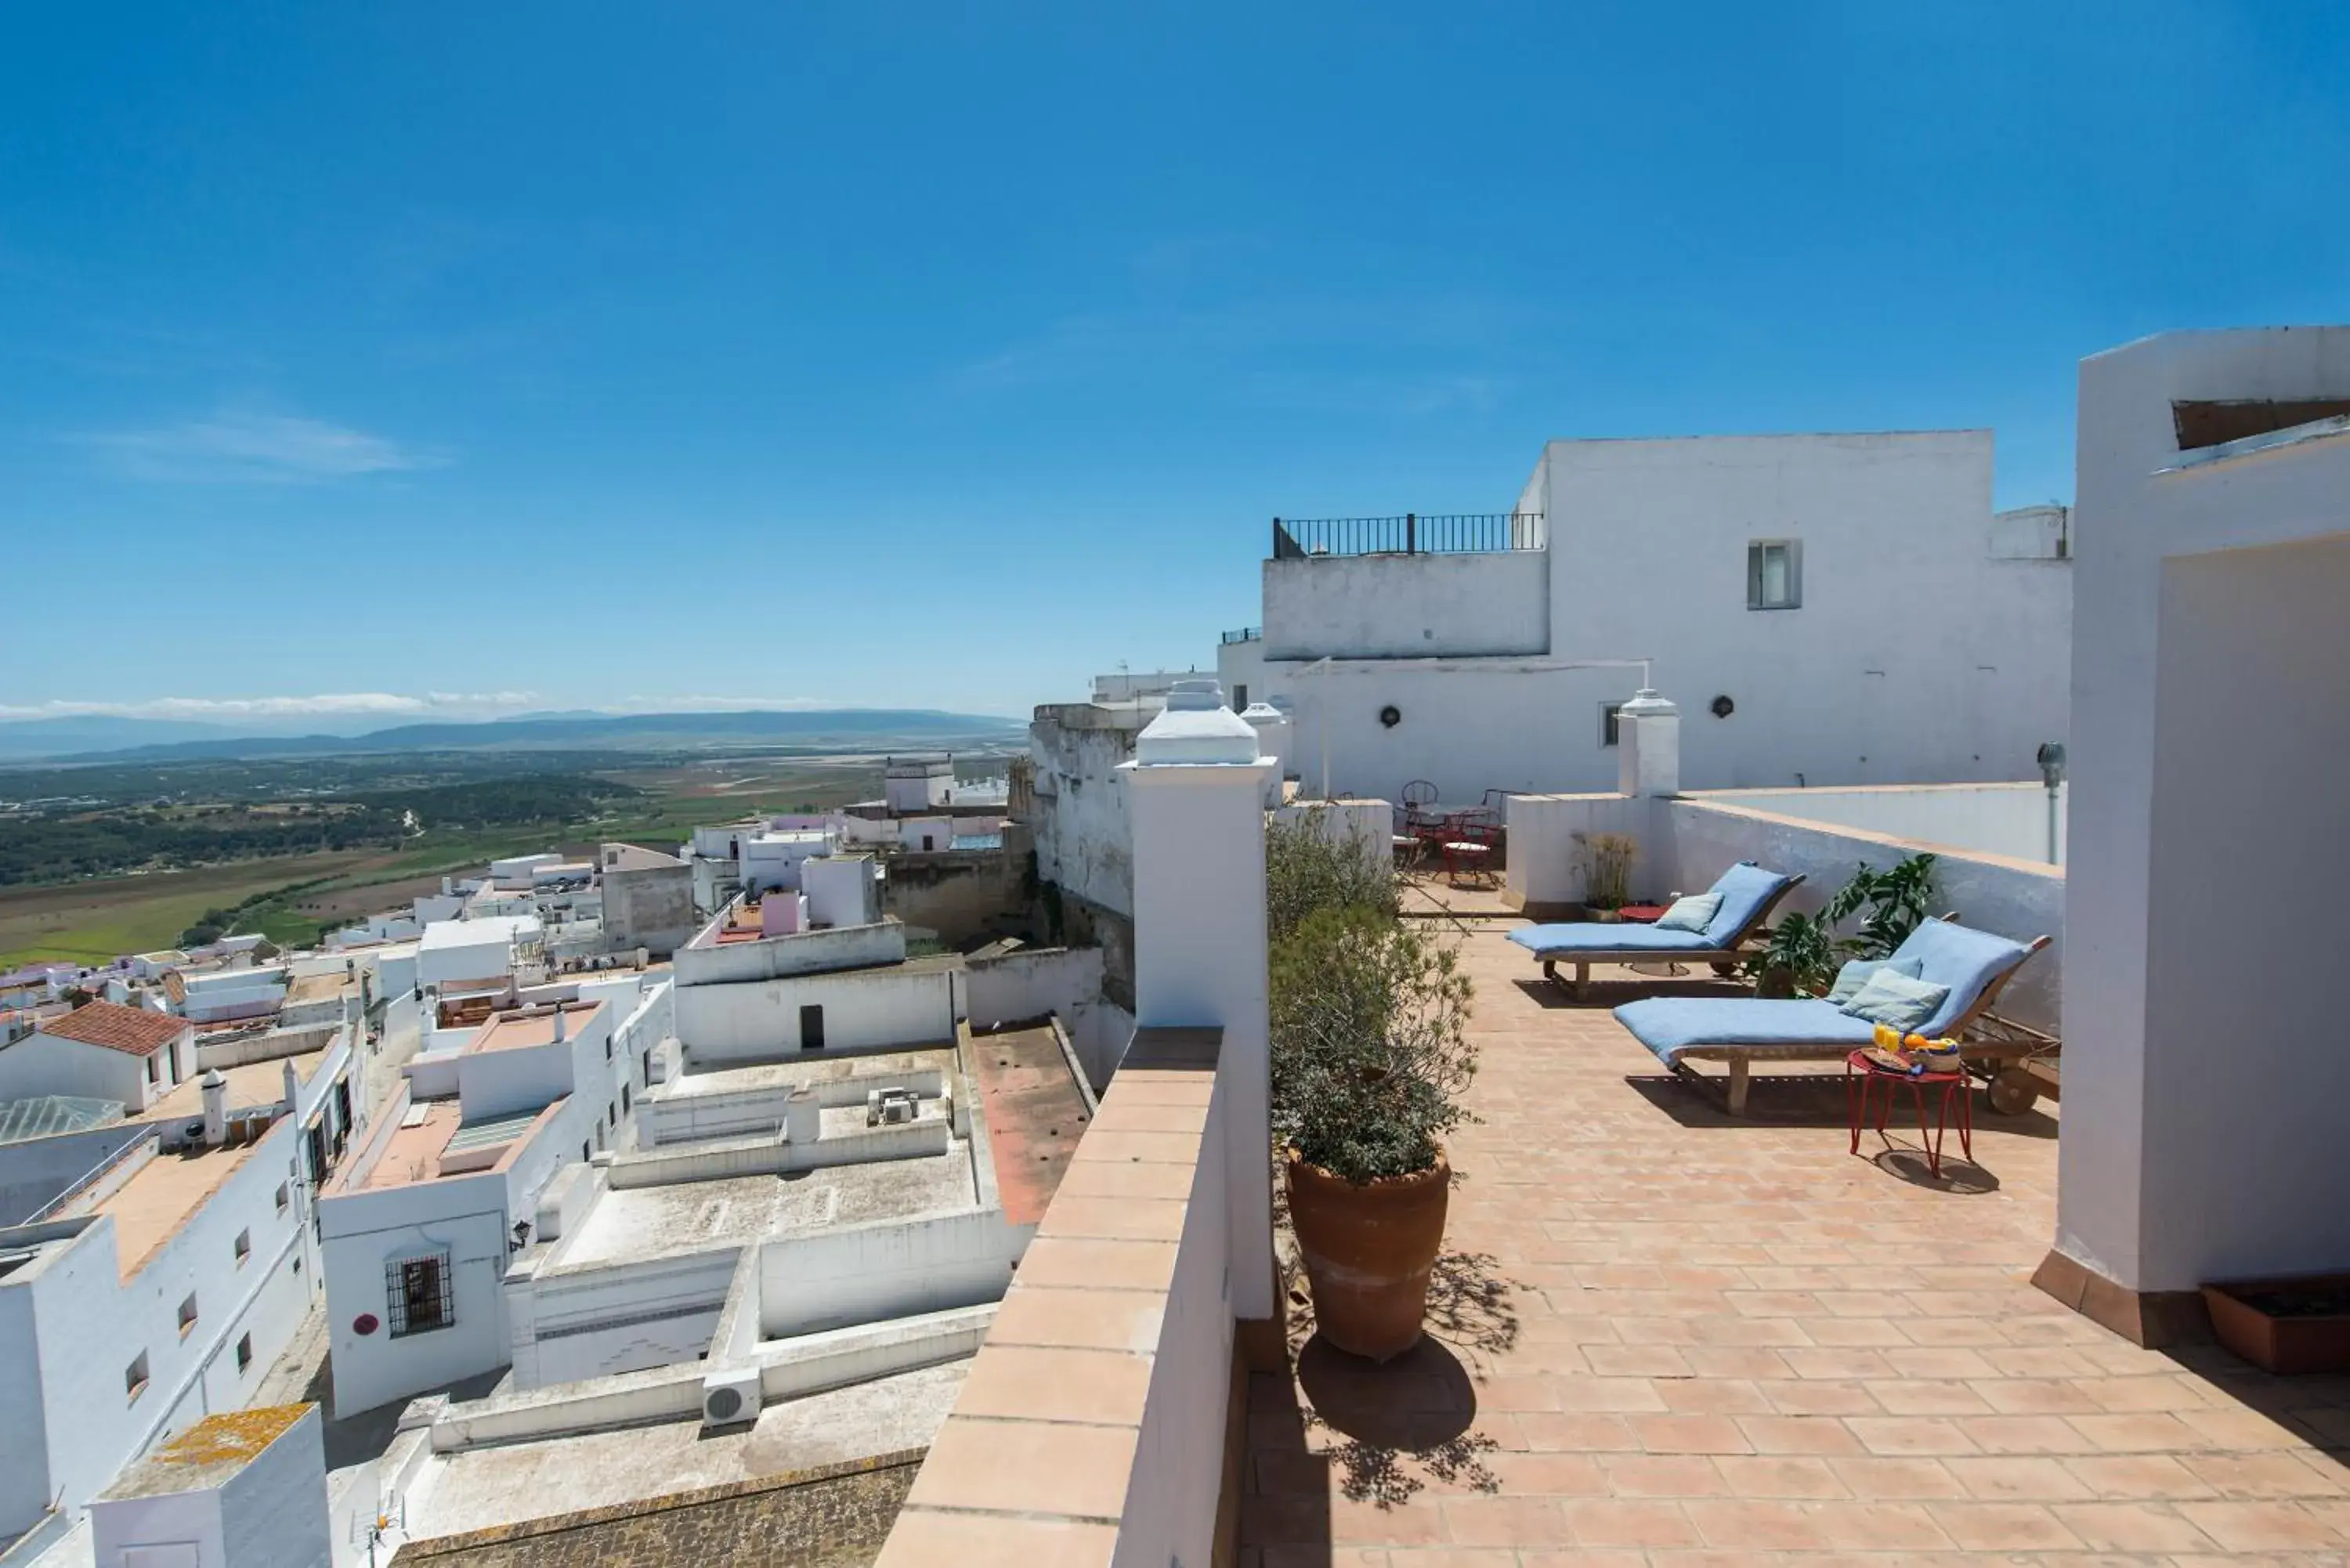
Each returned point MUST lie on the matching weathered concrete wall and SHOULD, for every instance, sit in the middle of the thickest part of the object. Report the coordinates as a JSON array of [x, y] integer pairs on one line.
[[961, 894], [652, 908], [893, 1268], [1406, 607]]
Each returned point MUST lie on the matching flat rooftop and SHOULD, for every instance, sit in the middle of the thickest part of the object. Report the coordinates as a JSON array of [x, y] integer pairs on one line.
[[1036, 1109], [810, 1067], [425, 1145], [483, 1488], [521, 1031], [149, 1207], [626, 1224], [207, 1453]]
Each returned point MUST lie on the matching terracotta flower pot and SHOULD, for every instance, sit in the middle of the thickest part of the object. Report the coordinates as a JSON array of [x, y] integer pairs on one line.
[[1368, 1252]]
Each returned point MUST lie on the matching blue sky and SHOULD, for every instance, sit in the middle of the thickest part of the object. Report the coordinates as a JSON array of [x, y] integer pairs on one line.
[[482, 358]]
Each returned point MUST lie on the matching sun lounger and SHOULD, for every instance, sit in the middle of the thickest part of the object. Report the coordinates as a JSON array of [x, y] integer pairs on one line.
[[1743, 1030], [1749, 894]]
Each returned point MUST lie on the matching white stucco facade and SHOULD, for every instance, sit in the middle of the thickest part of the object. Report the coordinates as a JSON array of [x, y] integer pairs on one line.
[[2212, 690], [1929, 642]]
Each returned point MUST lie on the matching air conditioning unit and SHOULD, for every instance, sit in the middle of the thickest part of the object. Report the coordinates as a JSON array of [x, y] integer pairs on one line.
[[890, 1105], [730, 1398]]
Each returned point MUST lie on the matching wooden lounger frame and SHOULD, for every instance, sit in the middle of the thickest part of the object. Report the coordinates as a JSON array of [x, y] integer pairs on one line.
[[1741, 1058], [1729, 952]]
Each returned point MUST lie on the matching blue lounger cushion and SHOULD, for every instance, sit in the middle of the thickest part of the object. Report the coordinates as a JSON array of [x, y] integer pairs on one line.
[[1589, 937], [1668, 1026], [1745, 887], [1961, 958]]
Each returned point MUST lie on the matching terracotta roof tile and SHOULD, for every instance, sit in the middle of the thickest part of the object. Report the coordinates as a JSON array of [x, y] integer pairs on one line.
[[132, 1030]]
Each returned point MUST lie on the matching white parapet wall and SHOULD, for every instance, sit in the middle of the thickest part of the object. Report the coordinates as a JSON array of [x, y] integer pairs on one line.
[[858, 1009], [2011, 820], [889, 1269], [709, 962]]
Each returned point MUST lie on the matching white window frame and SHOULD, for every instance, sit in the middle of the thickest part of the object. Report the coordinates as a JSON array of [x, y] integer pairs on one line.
[[1794, 599], [1610, 724]]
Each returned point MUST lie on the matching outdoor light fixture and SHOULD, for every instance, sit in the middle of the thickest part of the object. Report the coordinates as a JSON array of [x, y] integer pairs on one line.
[[1722, 707], [521, 1235], [1390, 715], [2051, 758]]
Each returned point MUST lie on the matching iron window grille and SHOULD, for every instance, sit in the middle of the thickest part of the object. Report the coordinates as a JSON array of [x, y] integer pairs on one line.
[[421, 1294]]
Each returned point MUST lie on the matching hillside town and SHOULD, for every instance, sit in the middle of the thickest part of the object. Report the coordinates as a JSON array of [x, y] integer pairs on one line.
[[896, 1183]]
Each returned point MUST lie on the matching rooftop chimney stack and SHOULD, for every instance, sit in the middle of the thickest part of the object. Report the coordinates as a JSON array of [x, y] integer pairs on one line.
[[559, 1031], [802, 1117], [215, 1093]]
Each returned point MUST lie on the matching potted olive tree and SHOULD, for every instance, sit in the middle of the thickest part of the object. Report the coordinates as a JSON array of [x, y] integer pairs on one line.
[[1370, 1055]]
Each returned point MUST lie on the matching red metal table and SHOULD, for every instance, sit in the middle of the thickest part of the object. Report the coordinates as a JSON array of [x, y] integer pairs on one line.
[[1861, 1075]]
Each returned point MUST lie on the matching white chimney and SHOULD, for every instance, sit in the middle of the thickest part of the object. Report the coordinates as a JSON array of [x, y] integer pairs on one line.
[[1273, 744], [559, 1032], [802, 1117], [215, 1093], [1648, 741]]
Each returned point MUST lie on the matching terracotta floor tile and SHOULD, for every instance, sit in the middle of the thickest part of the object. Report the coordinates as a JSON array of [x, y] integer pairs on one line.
[[1575, 1432], [2000, 1479], [1506, 1522], [1910, 1436], [1625, 1521], [1897, 1478], [1690, 1434], [1779, 1476], [2261, 1526], [1823, 1435], [2130, 1527], [2004, 1527], [1660, 1475]]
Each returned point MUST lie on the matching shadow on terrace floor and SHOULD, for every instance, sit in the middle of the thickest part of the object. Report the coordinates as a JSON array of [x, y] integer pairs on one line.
[[1603, 995], [1371, 1433]]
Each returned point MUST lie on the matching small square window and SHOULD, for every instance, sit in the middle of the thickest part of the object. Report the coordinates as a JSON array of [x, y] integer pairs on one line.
[[624, 1098], [243, 1247], [1775, 575], [1609, 732], [421, 1294], [134, 1377], [187, 1314], [283, 1197], [244, 1352]]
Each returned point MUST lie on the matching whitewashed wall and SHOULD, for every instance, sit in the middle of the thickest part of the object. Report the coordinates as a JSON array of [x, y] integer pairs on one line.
[[2211, 688], [2007, 819], [862, 1009], [891, 1268], [1406, 607]]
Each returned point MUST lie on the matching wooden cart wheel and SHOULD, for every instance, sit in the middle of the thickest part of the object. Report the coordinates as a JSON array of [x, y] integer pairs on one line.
[[2012, 1092]]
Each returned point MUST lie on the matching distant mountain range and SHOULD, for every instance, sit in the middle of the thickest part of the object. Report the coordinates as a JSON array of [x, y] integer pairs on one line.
[[95, 739]]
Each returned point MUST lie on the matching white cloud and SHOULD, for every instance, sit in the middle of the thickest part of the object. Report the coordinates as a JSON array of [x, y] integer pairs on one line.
[[255, 449], [387, 704]]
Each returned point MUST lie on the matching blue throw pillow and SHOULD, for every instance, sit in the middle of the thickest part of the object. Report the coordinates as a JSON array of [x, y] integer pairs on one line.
[[1690, 913], [1895, 1001], [1855, 974]]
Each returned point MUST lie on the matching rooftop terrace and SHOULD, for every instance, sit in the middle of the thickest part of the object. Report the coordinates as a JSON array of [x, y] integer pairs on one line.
[[1660, 1336], [157, 1198]]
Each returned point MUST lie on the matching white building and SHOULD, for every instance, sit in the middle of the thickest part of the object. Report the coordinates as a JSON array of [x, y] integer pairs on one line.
[[241, 1489], [417, 1229], [912, 786], [485, 949], [150, 1270], [1827, 609], [103, 1051]]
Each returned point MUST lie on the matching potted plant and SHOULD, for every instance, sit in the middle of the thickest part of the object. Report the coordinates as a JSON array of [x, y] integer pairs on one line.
[[1370, 1059], [1606, 862], [1890, 905], [1798, 959]]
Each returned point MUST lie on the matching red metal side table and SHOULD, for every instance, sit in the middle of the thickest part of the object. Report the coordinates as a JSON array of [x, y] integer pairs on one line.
[[1861, 1076]]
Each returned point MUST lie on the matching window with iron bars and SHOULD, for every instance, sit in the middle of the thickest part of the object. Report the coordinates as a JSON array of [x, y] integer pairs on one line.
[[421, 1294]]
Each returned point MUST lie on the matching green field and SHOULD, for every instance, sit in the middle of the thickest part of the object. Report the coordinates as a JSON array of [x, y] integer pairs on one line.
[[93, 920]]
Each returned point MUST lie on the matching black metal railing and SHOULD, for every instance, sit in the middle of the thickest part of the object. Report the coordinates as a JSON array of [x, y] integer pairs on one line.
[[1245, 634], [1412, 533]]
